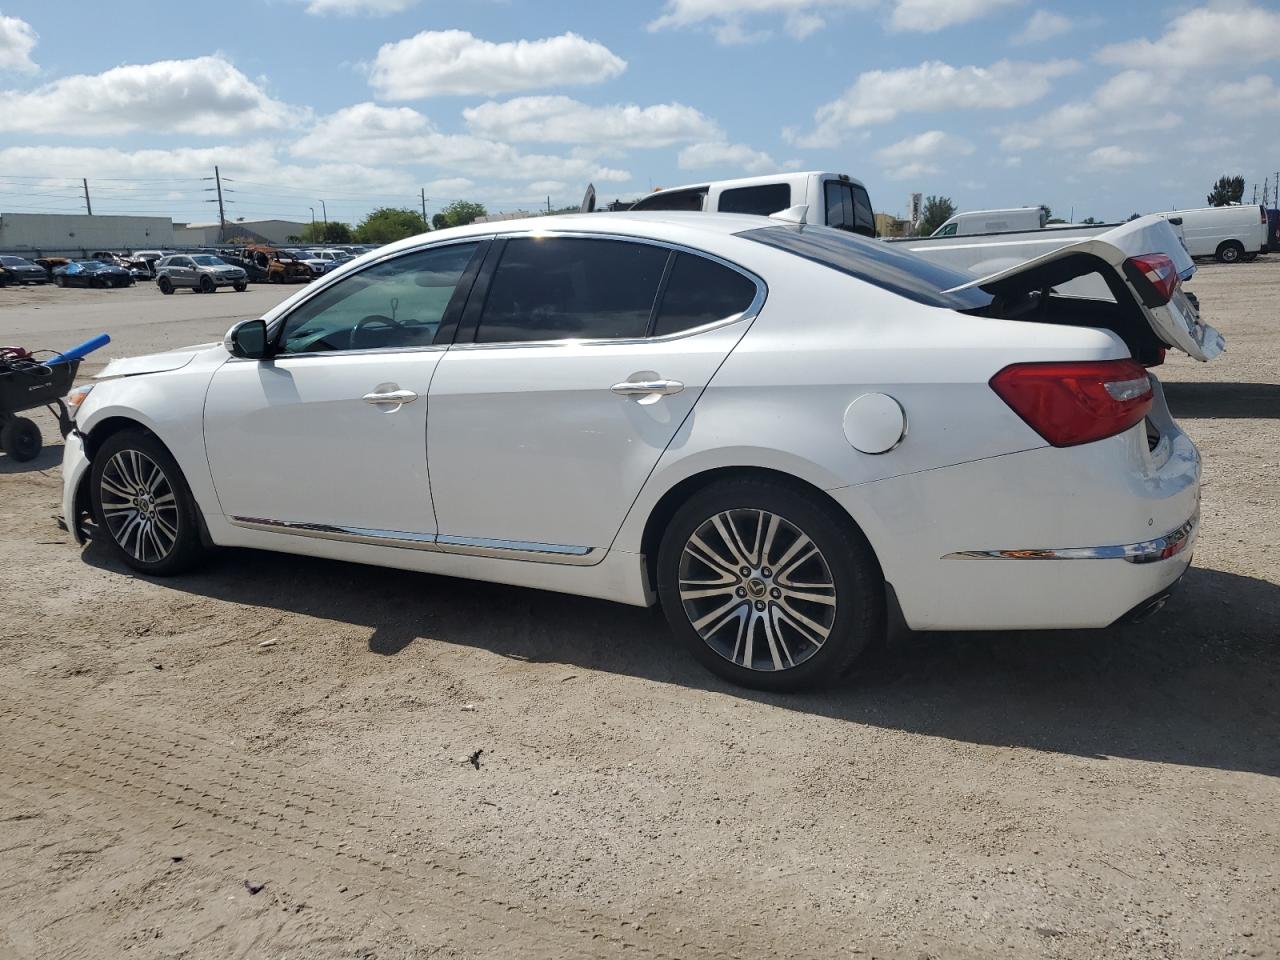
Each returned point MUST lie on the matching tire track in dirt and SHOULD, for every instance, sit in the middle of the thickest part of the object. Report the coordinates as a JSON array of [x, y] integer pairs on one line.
[[151, 774]]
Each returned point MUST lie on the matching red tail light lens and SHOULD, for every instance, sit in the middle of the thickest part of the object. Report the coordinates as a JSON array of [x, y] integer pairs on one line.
[[1155, 277], [1073, 403]]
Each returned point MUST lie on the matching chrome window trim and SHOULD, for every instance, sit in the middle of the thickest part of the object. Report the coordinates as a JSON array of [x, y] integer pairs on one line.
[[433, 543], [750, 313], [320, 354], [1146, 551]]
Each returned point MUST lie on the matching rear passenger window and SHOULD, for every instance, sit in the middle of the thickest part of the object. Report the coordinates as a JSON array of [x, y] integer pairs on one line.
[[839, 205], [558, 288], [701, 291], [762, 200], [687, 200]]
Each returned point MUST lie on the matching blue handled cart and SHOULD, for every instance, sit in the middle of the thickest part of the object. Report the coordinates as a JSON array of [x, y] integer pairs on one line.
[[27, 383]]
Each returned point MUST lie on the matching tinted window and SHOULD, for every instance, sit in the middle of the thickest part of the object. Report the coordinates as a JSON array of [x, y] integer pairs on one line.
[[839, 205], [672, 200], [876, 262], [763, 200], [701, 291], [557, 288], [864, 218], [947, 231], [395, 304]]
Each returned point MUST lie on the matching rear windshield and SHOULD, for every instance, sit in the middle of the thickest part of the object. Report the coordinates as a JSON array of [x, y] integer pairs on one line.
[[876, 262]]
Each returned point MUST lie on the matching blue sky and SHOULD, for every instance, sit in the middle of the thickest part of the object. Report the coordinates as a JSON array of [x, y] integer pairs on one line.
[[1108, 108]]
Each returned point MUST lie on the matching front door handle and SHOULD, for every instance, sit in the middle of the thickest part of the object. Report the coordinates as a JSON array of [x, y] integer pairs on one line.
[[647, 388], [391, 398]]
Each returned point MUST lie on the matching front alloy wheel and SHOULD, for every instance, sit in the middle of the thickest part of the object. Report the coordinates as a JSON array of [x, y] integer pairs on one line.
[[141, 501], [770, 584]]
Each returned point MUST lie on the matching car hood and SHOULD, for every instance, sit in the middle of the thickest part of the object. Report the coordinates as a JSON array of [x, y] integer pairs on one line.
[[155, 362]]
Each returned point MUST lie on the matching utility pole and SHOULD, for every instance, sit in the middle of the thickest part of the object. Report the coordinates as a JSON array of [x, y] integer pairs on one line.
[[222, 213], [87, 205], [548, 204], [425, 222], [325, 213]]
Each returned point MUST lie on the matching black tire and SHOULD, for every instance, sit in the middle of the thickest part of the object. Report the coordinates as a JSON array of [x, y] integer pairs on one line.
[[181, 518], [60, 280], [240, 286], [856, 586], [207, 285], [1230, 251], [20, 439], [165, 285], [97, 282]]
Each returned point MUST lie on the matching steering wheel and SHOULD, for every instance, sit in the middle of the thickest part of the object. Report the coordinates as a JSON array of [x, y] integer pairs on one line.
[[373, 320]]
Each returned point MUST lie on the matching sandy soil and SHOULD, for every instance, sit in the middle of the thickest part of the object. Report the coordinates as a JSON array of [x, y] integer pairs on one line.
[[429, 767]]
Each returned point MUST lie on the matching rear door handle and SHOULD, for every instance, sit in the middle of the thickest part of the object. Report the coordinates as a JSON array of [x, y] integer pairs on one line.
[[647, 388], [391, 397]]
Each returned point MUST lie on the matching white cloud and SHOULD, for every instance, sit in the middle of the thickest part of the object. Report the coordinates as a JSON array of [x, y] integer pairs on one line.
[[725, 156], [548, 186], [1257, 94], [453, 62], [929, 16], [1019, 141], [1112, 157], [920, 155], [1042, 25], [206, 95], [879, 96], [448, 188], [1219, 34], [559, 119], [727, 18], [17, 40], [358, 8], [1108, 112], [400, 136]]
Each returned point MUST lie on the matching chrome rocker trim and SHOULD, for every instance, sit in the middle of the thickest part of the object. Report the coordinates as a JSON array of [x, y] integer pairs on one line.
[[1148, 551], [466, 546]]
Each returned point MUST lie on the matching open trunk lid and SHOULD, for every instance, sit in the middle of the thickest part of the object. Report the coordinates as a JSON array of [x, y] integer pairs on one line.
[[1175, 322]]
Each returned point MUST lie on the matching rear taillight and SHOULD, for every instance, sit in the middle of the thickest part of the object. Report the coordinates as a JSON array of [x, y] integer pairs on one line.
[[1154, 276], [1074, 403]]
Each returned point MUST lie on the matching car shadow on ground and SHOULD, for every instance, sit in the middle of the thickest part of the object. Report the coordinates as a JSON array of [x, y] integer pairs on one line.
[[1223, 400], [49, 458], [1195, 685]]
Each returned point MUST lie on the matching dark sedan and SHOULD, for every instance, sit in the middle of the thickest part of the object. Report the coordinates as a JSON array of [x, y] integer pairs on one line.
[[91, 273], [18, 270]]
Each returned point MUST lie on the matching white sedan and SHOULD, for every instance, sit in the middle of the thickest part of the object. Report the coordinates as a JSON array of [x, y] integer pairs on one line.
[[780, 432]]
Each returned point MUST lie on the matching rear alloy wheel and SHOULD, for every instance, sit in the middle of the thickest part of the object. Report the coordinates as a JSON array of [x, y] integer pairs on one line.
[[141, 501], [1230, 252], [165, 285], [206, 284], [770, 587]]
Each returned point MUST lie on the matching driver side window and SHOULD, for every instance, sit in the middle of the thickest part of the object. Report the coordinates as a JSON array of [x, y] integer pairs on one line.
[[392, 305]]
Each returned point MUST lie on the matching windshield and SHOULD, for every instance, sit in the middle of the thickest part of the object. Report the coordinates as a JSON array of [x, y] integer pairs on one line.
[[205, 260], [875, 262], [90, 263]]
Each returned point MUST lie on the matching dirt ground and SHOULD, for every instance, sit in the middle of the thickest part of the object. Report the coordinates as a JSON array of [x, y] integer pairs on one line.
[[427, 767]]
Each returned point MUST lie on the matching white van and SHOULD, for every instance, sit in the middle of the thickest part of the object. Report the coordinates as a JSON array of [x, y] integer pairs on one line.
[[1231, 234], [1009, 220], [833, 199]]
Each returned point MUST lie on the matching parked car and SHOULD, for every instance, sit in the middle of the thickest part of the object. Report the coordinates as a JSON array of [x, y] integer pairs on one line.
[[706, 411], [1273, 230], [332, 259], [138, 269], [834, 199], [279, 266], [20, 270], [974, 222], [147, 260], [1230, 234], [201, 272], [313, 263], [91, 273], [50, 264]]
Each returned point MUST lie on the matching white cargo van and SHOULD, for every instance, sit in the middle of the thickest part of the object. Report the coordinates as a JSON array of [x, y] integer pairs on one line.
[[1009, 220], [1229, 233], [833, 199]]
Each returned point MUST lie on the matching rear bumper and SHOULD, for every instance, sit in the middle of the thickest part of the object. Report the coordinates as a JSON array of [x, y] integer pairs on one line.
[[1044, 539]]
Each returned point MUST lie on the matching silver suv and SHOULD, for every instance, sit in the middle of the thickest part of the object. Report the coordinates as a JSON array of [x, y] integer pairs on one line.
[[202, 272]]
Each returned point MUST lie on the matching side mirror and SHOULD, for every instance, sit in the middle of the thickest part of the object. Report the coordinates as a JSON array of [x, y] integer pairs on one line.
[[248, 340]]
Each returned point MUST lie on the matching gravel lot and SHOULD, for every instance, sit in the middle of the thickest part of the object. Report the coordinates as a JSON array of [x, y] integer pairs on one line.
[[1114, 793]]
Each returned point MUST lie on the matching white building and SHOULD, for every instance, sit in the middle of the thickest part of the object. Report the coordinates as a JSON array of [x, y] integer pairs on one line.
[[262, 231], [54, 232]]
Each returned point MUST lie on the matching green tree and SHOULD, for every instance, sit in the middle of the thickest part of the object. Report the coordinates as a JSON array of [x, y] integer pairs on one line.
[[461, 212], [1090, 220], [937, 211], [390, 223], [1226, 191], [439, 222], [331, 232]]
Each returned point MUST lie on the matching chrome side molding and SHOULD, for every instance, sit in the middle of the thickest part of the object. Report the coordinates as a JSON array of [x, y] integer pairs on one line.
[[1147, 551], [403, 540]]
